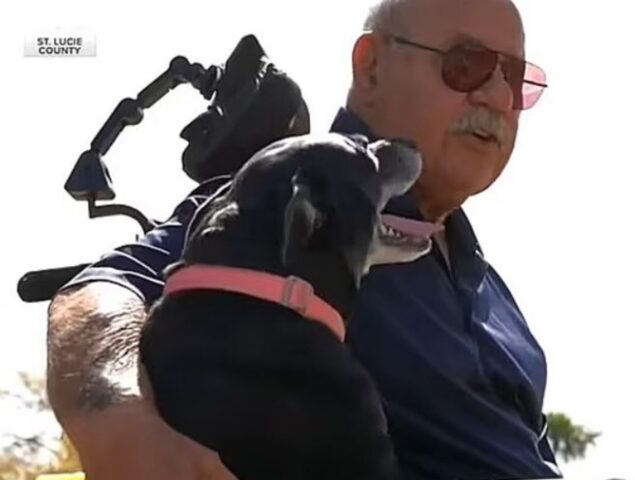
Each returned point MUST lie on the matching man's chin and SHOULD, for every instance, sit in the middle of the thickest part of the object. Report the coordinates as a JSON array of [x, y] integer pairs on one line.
[[471, 184], [477, 171]]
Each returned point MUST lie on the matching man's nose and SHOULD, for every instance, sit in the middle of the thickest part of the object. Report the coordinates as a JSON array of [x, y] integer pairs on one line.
[[495, 94]]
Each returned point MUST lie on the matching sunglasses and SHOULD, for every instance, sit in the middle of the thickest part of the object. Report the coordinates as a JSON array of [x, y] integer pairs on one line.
[[467, 67]]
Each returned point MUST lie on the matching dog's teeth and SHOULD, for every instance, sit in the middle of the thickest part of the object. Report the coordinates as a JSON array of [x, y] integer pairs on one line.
[[388, 231]]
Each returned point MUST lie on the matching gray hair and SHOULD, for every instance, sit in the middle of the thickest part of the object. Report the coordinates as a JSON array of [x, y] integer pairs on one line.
[[384, 14]]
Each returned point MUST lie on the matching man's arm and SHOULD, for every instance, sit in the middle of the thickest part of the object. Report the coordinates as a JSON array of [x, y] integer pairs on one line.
[[96, 386], [92, 349], [95, 324], [97, 389]]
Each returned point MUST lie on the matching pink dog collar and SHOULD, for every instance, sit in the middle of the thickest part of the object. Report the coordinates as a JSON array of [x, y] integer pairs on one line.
[[292, 292]]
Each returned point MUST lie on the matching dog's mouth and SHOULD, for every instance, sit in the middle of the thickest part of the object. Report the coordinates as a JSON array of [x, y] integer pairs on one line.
[[401, 240], [404, 232]]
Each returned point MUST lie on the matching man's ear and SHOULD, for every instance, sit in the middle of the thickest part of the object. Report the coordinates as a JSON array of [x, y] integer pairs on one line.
[[365, 55], [301, 218]]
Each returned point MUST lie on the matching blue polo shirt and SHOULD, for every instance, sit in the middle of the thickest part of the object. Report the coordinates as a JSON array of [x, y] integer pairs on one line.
[[461, 375]]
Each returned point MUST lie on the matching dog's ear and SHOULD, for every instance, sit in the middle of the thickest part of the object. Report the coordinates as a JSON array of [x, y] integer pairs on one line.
[[301, 217]]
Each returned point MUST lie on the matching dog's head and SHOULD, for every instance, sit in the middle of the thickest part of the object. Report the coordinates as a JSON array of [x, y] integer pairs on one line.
[[311, 206]]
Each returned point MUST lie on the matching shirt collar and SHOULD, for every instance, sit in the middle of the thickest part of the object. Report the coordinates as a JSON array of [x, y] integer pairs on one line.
[[348, 123]]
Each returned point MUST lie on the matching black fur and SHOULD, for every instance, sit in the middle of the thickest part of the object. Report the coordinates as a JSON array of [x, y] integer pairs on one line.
[[277, 395]]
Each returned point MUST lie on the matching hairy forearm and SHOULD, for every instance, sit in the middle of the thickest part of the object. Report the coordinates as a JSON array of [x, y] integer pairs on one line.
[[93, 337]]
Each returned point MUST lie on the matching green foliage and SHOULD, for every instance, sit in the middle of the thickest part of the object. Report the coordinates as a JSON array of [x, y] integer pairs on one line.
[[569, 441]]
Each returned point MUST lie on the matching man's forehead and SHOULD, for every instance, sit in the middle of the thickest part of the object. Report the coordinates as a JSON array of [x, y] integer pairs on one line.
[[494, 23]]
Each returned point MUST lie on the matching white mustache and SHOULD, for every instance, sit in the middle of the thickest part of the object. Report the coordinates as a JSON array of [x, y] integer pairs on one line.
[[482, 120]]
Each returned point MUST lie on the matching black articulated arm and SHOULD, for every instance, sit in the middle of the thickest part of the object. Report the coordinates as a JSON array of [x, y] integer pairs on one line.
[[252, 104]]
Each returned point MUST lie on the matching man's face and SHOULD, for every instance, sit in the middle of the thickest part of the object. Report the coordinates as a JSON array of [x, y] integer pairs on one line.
[[412, 101]]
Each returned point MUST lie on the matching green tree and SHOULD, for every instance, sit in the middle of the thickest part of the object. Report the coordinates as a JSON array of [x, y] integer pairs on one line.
[[569, 441]]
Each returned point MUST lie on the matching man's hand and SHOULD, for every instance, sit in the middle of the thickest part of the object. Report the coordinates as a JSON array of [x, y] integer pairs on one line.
[[131, 441]]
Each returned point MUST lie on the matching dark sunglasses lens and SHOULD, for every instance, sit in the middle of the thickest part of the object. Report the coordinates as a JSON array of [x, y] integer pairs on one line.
[[466, 68]]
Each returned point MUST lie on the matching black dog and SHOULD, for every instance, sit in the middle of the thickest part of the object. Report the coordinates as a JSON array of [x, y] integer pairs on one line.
[[278, 394]]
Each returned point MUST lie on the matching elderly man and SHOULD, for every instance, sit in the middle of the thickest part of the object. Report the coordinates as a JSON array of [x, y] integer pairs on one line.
[[462, 376]]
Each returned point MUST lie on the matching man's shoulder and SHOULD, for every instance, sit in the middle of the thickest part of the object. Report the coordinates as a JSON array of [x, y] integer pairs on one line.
[[186, 211], [139, 265], [206, 192], [209, 188]]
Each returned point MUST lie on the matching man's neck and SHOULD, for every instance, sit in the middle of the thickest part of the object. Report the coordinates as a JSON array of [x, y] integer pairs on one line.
[[438, 214], [433, 201]]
